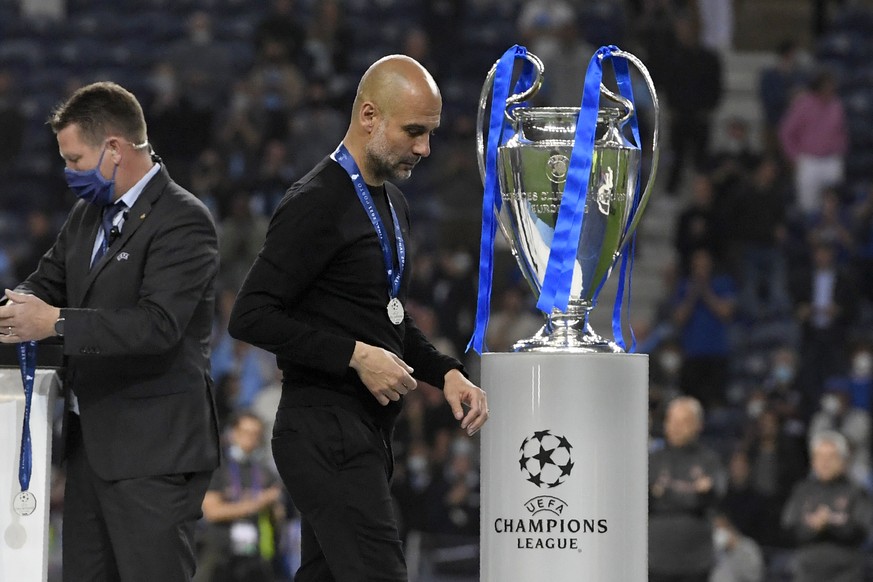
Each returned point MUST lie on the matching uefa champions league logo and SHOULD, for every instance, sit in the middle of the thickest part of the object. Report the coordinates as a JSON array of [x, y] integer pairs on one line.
[[545, 459]]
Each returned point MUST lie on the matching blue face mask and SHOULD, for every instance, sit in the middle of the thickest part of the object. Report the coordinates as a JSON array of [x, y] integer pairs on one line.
[[91, 186]]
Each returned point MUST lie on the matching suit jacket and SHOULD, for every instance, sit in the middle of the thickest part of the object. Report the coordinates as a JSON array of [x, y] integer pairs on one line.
[[137, 331]]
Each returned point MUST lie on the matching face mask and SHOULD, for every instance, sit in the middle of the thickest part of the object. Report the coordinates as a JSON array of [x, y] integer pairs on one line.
[[671, 362], [755, 408], [862, 365], [236, 453], [720, 538], [417, 463], [830, 404], [91, 186], [783, 374]]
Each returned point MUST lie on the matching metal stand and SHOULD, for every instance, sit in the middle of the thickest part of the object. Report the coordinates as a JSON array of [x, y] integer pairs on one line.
[[564, 467]]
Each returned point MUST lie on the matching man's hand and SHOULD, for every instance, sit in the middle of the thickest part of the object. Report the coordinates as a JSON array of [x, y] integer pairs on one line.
[[818, 519], [459, 391], [26, 318], [385, 375]]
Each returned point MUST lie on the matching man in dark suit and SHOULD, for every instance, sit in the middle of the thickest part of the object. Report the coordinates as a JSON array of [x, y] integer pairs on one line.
[[128, 284]]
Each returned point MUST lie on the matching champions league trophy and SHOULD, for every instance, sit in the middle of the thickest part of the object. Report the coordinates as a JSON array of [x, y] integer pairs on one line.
[[564, 455], [533, 167]]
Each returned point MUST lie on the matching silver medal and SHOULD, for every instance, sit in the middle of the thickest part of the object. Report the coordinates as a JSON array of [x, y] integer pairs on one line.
[[395, 311], [24, 503]]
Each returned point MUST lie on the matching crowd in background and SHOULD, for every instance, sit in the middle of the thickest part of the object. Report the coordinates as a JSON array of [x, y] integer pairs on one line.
[[767, 315]]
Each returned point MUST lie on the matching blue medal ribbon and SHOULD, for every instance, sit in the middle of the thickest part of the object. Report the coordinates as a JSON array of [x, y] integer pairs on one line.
[[342, 156], [499, 131], [27, 363]]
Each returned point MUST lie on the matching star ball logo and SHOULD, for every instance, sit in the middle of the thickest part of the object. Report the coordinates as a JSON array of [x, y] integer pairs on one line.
[[550, 524], [546, 459]]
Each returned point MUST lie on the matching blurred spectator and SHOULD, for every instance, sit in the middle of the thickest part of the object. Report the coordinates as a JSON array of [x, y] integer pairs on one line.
[[667, 366], [737, 557], [275, 175], [242, 510], [693, 87], [777, 86], [825, 304], [241, 129], [204, 66], [39, 238], [656, 32], [282, 24], [863, 234], [861, 376], [209, 181], [452, 497], [427, 321], [733, 160], [828, 517], [329, 46], [704, 308], [759, 230], [178, 131], [814, 137], [512, 321], [686, 482], [540, 25], [837, 414], [699, 226], [12, 120], [742, 503], [278, 86], [416, 44], [782, 389], [315, 127], [241, 235], [831, 224], [716, 24], [776, 462], [455, 296]]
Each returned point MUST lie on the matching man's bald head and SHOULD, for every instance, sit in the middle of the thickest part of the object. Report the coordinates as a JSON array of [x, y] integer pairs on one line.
[[392, 80]]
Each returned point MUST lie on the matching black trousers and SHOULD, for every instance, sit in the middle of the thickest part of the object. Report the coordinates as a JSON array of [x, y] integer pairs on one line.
[[337, 469], [132, 530]]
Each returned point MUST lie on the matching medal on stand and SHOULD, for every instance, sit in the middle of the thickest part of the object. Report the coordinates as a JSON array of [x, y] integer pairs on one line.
[[24, 503]]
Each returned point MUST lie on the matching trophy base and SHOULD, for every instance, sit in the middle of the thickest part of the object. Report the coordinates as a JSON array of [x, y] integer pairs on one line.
[[573, 336]]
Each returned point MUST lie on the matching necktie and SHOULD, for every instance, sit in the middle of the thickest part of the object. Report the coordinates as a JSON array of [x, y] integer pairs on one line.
[[109, 214]]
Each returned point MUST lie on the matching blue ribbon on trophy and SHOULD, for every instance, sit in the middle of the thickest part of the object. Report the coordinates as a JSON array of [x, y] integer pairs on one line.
[[498, 133], [555, 293], [25, 501]]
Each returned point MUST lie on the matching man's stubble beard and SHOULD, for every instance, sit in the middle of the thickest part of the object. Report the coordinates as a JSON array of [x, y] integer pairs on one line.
[[383, 164]]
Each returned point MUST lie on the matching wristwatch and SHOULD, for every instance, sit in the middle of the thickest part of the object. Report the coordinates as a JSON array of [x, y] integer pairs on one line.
[[59, 327]]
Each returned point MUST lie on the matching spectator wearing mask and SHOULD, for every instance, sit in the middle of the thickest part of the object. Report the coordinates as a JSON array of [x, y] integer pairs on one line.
[[838, 414], [738, 558]]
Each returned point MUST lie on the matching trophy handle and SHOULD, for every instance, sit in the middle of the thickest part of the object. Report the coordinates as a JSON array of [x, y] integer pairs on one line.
[[511, 100], [647, 192]]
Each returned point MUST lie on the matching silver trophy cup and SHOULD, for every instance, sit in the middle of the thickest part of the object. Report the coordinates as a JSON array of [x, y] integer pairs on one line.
[[533, 166]]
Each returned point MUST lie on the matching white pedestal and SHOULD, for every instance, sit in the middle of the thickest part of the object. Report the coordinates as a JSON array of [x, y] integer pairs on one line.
[[24, 540], [564, 468]]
